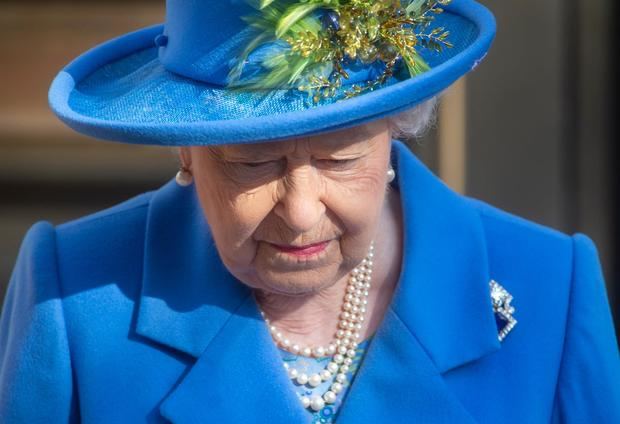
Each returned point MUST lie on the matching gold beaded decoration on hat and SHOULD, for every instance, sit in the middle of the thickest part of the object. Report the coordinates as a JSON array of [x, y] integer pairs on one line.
[[317, 38]]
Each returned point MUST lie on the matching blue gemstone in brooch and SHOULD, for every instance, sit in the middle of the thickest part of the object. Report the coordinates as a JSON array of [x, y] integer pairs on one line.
[[503, 310]]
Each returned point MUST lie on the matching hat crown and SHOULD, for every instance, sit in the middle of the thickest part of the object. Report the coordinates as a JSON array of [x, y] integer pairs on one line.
[[205, 38], [203, 35]]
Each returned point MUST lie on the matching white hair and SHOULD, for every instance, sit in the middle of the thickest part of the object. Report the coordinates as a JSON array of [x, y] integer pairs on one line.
[[414, 122]]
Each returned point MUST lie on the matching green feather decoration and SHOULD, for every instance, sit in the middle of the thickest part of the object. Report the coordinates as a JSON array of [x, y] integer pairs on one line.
[[312, 61], [292, 15]]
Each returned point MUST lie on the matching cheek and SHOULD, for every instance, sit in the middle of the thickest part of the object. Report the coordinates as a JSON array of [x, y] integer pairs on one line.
[[360, 191], [357, 201], [233, 216]]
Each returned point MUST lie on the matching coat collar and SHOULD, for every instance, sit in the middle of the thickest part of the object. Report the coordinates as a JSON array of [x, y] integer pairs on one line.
[[440, 317]]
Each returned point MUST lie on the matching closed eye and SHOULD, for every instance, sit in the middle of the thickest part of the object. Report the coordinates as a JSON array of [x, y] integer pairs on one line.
[[336, 162], [258, 164]]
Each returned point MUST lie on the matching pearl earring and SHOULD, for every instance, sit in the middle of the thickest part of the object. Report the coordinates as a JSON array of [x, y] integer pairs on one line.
[[391, 174], [184, 177]]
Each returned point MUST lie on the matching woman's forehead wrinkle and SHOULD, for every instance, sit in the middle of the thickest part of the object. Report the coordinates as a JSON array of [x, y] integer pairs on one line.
[[359, 137], [301, 147], [254, 151], [356, 138]]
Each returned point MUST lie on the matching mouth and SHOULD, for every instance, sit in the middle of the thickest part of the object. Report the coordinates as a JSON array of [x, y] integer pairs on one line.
[[308, 249]]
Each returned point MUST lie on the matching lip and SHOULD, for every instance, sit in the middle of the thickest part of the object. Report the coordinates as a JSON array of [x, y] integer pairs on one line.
[[309, 249]]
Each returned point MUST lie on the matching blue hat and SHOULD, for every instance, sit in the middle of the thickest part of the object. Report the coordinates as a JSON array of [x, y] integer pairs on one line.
[[235, 71]]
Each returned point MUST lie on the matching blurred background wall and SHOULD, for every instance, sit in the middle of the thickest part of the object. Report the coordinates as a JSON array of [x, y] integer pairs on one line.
[[531, 131]]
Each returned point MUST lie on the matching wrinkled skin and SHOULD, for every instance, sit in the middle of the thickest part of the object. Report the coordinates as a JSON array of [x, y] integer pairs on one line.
[[297, 192]]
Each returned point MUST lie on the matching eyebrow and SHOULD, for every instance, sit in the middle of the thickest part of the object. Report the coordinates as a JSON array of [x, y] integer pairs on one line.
[[344, 141], [363, 130]]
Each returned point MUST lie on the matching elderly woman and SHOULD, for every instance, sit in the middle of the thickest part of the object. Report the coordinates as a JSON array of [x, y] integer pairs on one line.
[[304, 265]]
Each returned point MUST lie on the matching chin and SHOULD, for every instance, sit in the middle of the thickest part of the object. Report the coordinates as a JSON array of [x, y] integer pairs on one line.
[[297, 283]]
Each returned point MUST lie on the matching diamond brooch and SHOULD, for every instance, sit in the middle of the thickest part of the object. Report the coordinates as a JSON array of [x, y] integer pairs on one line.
[[503, 310]]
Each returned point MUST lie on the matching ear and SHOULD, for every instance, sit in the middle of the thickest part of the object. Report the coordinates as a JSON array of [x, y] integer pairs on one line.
[[185, 157]]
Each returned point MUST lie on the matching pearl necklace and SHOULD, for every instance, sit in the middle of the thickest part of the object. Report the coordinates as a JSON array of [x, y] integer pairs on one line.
[[342, 348]]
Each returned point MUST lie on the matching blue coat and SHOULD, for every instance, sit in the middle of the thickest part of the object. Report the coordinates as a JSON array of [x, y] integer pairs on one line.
[[129, 316]]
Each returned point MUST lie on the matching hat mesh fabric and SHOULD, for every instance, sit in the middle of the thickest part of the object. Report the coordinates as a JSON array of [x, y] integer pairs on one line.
[[138, 89]]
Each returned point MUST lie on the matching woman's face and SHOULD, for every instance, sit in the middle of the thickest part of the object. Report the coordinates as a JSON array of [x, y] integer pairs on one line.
[[295, 216]]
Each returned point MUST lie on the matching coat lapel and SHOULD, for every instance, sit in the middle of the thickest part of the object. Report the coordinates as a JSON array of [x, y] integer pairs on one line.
[[187, 294], [440, 316], [190, 302], [238, 378]]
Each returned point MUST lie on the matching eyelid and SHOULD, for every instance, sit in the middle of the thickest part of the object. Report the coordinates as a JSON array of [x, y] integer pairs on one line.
[[339, 161], [258, 163]]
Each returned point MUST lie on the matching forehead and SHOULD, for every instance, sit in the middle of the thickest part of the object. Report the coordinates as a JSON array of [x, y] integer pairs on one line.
[[356, 138]]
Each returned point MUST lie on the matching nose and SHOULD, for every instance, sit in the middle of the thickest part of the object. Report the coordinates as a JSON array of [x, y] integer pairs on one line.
[[300, 205]]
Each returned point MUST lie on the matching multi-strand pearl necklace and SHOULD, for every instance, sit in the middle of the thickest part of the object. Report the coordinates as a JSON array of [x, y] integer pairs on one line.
[[342, 347]]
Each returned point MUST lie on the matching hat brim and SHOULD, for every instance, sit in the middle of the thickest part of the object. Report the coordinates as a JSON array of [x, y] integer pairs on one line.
[[120, 91]]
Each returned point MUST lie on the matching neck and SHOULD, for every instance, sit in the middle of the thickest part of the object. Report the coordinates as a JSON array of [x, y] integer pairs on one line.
[[313, 319]]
